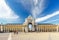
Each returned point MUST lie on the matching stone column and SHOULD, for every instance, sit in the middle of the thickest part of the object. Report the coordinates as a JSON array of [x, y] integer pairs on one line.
[[37, 28], [1, 28], [26, 29], [57, 28], [33, 29], [23, 29]]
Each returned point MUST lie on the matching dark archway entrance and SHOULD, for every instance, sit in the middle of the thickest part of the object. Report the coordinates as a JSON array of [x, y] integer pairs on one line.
[[30, 27]]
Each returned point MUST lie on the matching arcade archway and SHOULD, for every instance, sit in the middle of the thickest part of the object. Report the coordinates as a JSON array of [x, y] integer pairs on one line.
[[30, 27]]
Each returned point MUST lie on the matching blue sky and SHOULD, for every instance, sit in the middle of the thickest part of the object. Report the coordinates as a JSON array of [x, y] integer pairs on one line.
[[15, 11]]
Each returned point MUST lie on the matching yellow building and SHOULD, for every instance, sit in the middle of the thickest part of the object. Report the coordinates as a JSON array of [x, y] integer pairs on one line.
[[25, 27]]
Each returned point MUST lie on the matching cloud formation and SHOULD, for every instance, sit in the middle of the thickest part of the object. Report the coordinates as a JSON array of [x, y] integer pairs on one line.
[[35, 7], [38, 7], [51, 21], [47, 17], [6, 12]]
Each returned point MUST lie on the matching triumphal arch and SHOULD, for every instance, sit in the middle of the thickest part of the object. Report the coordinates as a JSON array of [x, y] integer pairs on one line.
[[29, 21]]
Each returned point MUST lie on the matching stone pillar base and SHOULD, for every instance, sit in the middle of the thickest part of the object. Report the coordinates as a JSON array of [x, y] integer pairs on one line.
[[26, 29], [33, 29]]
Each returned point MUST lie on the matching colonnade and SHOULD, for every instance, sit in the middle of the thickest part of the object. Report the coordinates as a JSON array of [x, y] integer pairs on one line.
[[47, 28], [38, 28]]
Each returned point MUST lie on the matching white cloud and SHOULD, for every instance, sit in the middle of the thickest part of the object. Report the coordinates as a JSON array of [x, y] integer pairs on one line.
[[47, 17], [35, 6], [35, 11], [6, 12], [38, 7], [35, 2], [52, 21]]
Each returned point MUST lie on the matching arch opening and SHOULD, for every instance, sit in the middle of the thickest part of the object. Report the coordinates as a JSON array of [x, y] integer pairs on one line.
[[29, 27]]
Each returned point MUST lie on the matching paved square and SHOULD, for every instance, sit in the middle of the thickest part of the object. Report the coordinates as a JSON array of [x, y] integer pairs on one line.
[[30, 36]]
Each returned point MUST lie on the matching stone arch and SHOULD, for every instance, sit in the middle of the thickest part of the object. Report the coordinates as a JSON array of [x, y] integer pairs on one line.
[[30, 20]]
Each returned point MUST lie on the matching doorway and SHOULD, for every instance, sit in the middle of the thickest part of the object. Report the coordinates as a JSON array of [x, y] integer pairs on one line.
[[30, 27]]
